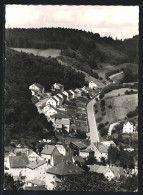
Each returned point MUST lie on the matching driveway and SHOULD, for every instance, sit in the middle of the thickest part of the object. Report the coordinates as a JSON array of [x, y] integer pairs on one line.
[[94, 137]]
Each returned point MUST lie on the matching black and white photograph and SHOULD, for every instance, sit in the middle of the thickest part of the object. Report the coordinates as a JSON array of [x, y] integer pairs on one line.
[[71, 98]]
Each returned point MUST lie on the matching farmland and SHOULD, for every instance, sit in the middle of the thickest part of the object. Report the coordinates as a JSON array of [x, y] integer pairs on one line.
[[117, 92], [40, 52]]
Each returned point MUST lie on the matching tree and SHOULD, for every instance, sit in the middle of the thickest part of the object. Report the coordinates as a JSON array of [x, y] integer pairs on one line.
[[113, 154], [10, 184]]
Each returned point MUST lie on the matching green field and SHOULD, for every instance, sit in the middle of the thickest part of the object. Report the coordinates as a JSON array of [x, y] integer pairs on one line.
[[121, 105], [40, 52]]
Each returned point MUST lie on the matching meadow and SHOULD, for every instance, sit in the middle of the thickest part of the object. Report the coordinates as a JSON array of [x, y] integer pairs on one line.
[[40, 52]]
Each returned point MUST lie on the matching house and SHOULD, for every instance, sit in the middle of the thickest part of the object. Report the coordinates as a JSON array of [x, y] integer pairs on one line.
[[52, 101], [21, 149], [57, 99], [77, 146], [60, 172], [78, 160], [85, 89], [61, 149], [48, 151], [128, 127], [34, 99], [49, 110], [8, 149], [78, 92], [63, 123], [57, 87], [100, 150], [16, 164], [35, 183], [60, 95], [73, 93], [108, 143], [36, 170], [92, 85], [66, 94], [36, 88], [86, 153], [109, 172], [59, 115], [33, 156], [60, 99]]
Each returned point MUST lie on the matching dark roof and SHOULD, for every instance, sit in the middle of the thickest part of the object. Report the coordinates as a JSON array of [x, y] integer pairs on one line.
[[34, 99], [8, 148], [78, 159], [57, 159], [80, 145], [102, 148], [18, 161], [39, 85], [59, 116], [48, 149], [36, 188], [38, 182], [36, 164], [65, 168], [59, 97]]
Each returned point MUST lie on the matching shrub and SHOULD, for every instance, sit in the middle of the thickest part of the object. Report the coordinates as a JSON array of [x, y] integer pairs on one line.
[[100, 126], [110, 107], [99, 119]]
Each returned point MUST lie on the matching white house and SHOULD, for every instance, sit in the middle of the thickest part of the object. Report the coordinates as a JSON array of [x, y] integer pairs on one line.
[[92, 85], [57, 99], [109, 172], [85, 153], [48, 151], [60, 95], [73, 93], [108, 143], [78, 92], [36, 170], [66, 94], [57, 87], [100, 150], [85, 89], [49, 110], [33, 156], [52, 101], [128, 127], [16, 164], [36, 88]]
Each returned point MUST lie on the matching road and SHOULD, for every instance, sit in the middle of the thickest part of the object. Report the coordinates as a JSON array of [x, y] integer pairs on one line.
[[94, 137]]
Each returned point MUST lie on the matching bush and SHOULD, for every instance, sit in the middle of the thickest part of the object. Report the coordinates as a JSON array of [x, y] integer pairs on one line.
[[99, 119], [110, 107], [100, 126]]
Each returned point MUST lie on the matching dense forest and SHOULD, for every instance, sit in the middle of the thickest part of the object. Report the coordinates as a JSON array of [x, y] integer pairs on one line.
[[22, 119], [85, 47]]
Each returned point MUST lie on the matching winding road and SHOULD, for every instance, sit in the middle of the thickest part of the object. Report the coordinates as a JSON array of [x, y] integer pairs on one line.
[[94, 137]]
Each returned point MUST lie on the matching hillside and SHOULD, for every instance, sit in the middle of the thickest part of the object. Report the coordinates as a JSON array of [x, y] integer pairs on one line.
[[86, 47], [115, 106], [22, 119]]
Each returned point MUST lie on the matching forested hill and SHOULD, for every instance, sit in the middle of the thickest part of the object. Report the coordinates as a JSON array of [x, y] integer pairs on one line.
[[81, 45], [22, 119]]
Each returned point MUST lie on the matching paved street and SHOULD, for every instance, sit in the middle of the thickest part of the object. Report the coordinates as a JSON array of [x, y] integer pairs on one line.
[[94, 137]]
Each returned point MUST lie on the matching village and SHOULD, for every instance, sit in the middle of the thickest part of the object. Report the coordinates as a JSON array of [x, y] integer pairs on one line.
[[76, 150]]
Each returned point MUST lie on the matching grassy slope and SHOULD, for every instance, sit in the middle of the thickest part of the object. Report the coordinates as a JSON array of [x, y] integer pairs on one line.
[[121, 105]]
